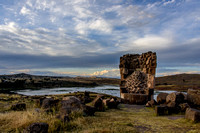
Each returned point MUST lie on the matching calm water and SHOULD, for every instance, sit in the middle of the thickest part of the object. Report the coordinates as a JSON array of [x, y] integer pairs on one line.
[[107, 89]]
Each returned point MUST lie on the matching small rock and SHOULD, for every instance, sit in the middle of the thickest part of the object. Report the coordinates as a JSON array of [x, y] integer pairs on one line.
[[87, 98], [151, 103], [38, 128], [71, 101], [113, 103], [98, 103], [18, 107], [89, 110], [184, 106], [87, 94]]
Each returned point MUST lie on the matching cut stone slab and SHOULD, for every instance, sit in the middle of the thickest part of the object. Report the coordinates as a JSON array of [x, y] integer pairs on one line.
[[161, 98], [161, 110], [135, 98], [193, 97], [192, 114]]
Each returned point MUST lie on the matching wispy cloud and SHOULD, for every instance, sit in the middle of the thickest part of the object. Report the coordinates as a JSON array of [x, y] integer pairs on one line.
[[94, 33]]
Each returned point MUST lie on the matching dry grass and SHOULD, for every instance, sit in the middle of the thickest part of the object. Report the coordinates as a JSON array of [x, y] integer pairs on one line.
[[127, 119], [18, 120], [133, 120]]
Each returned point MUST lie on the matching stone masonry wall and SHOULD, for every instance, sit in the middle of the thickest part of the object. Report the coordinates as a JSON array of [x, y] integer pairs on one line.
[[137, 73]]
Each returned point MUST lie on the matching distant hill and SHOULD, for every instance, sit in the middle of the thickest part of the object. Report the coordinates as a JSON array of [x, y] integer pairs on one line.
[[178, 82], [23, 80], [179, 79], [27, 81]]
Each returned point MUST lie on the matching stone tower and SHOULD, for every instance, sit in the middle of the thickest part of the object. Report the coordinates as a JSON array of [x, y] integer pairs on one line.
[[137, 77]]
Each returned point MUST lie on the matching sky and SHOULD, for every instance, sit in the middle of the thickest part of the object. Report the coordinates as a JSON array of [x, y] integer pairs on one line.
[[87, 37]]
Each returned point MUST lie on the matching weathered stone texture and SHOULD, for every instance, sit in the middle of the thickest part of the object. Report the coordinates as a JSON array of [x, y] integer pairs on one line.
[[193, 97], [137, 74], [37, 128], [161, 98], [192, 114]]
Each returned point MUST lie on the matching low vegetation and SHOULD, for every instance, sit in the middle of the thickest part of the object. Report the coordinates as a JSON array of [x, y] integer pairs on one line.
[[179, 82], [127, 118]]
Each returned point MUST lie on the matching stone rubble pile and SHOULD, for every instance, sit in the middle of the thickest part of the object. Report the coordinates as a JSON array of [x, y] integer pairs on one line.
[[66, 107], [178, 102], [136, 83]]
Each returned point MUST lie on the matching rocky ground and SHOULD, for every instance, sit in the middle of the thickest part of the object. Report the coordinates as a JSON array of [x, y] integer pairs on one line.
[[84, 112]]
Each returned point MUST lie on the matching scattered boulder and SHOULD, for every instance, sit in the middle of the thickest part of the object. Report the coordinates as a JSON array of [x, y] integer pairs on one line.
[[171, 104], [38, 101], [161, 98], [63, 118], [176, 97], [87, 94], [193, 97], [98, 103], [18, 107], [183, 106], [68, 105], [87, 98], [89, 110], [70, 102], [151, 103], [172, 108], [69, 110], [161, 110], [101, 96], [192, 114], [106, 101], [185, 97], [113, 103], [37, 128], [48, 104]]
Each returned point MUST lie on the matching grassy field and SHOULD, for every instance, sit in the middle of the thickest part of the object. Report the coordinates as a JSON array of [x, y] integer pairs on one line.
[[127, 118]]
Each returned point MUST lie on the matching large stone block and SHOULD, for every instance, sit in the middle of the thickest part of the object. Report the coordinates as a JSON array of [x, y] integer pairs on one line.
[[161, 110], [133, 98], [176, 97], [161, 98], [192, 114], [193, 97]]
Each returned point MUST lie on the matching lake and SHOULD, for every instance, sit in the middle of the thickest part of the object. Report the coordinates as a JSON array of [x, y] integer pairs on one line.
[[106, 89]]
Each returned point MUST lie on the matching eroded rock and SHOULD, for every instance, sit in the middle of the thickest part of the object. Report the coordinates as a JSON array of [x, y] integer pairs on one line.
[[161, 98], [192, 114], [176, 97], [151, 103]]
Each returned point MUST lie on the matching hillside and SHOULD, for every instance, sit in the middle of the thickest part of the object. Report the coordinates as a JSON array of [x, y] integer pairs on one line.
[[26, 81], [178, 82], [22, 80]]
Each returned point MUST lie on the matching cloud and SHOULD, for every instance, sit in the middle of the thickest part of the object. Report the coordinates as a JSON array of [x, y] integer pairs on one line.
[[107, 73], [169, 2], [25, 11], [92, 33]]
